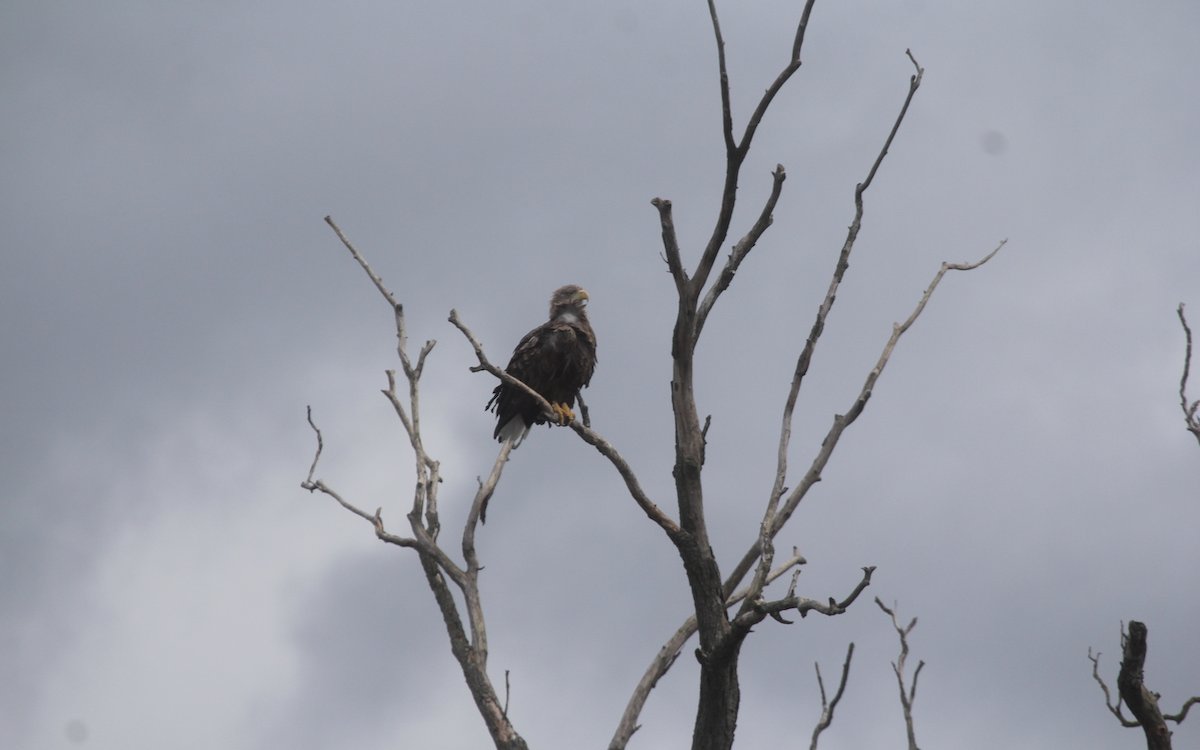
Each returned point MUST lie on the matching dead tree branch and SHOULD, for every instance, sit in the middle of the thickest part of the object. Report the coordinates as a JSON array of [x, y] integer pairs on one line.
[[1189, 409], [1132, 690], [757, 611], [471, 650], [741, 249], [906, 696], [1114, 709], [736, 150], [842, 421], [771, 523], [828, 706], [1183, 711]]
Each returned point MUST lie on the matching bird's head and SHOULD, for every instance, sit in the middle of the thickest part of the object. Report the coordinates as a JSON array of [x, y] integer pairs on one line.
[[568, 300]]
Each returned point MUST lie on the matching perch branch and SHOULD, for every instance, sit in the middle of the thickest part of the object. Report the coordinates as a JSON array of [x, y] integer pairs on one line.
[[485, 365]]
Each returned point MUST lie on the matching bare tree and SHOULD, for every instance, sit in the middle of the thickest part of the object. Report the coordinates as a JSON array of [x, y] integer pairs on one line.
[[726, 606], [1132, 690]]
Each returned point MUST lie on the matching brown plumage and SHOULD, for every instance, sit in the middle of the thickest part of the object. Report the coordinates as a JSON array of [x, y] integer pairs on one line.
[[556, 359]]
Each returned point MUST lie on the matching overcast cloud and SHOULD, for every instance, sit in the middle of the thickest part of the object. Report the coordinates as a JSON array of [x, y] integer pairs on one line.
[[171, 301]]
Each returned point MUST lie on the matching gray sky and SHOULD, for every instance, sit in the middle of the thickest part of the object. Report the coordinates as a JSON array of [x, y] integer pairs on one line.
[[171, 300]]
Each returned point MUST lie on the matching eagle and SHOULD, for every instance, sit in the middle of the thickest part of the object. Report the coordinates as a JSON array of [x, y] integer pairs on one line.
[[556, 359]]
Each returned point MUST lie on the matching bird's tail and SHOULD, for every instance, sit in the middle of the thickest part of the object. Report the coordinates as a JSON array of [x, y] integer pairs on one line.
[[514, 430]]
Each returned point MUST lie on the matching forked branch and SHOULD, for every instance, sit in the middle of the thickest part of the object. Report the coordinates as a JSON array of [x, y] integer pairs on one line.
[[828, 706], [757, 611], [909, 695], [736, 150], [1113, 708], [666, 656], [469, 647]]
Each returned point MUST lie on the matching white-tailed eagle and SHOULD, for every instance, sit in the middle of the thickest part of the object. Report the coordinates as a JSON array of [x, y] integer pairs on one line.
[[556, 359]]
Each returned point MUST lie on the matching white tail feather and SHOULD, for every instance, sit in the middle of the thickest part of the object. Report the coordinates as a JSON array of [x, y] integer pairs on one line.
[[514, 430]]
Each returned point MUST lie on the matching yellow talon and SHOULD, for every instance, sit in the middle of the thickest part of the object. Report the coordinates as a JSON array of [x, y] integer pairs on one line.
[[563, 413]]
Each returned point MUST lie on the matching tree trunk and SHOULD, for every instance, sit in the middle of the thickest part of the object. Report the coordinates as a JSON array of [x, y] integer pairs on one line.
[[720, 696]]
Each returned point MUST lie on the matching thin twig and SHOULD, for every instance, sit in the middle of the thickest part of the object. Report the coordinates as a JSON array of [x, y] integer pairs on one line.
[[320, 447], [506, 693], [316, 485], [1115, 710], [391, 298], [1189, 409], [726, 107]]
